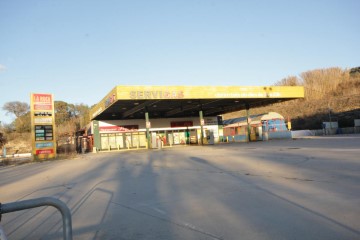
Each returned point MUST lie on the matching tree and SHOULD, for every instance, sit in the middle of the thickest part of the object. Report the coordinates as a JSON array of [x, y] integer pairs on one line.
[[2, 140], [82, 113], [62, 113], [77, 112], [23, 123], [22, 113], [289, 81], [17, 108], [355, 70], [320, 82], [70, 117], [8, 128]]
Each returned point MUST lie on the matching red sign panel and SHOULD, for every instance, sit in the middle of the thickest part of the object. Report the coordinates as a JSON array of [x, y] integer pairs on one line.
[[181, 124], [44, 151], [42, 101], [126, 128]]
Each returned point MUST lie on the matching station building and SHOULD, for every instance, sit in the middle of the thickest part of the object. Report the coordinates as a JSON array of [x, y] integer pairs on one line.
[[136, 117], [261, 127]]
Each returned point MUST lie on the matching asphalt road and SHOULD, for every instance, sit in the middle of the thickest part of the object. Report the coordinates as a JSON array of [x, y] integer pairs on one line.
[[281, 189]]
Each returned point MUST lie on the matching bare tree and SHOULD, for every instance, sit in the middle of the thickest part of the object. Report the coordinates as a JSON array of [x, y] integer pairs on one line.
[[17, 108], [320, 82], [289, 81]]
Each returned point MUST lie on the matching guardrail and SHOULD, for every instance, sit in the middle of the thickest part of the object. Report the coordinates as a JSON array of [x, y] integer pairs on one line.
[[40, 202]]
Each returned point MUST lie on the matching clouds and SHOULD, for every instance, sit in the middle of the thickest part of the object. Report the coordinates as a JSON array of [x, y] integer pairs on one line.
[[2, 68]]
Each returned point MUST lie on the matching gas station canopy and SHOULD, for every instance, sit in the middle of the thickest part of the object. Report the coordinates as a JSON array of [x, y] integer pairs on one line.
[[131, 102]]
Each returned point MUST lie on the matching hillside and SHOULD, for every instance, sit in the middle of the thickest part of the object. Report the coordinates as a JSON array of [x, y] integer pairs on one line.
[[17, 143], [334, 93]]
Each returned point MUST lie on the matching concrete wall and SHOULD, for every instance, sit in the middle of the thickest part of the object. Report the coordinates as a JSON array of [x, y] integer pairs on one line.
[[271, 135], [323, 132], [279, 135]]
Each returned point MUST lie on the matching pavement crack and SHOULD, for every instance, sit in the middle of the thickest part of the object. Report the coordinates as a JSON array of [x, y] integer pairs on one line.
[[299, 179], [287, 178], [164, 219]]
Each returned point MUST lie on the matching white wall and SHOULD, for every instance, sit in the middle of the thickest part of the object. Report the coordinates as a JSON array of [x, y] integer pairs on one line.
[[356, 122], [331, 124]]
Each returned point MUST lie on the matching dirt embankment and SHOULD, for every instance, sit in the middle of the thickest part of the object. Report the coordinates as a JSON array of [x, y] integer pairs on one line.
[[17, 143]]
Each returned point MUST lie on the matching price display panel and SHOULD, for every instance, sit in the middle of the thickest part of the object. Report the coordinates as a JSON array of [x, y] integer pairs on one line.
[[43, 133]]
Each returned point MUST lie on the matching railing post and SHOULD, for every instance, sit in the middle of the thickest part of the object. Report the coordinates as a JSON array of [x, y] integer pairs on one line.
[[40, 202]]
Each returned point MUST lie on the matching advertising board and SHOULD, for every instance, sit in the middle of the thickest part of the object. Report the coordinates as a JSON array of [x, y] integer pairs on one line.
[[43, 125]]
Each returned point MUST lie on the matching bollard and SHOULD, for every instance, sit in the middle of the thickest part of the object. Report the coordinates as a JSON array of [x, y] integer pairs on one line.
[[4, 152], [2, 234]]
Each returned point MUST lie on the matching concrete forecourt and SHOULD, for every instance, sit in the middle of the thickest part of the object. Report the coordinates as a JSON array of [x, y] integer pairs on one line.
[[283, 189]]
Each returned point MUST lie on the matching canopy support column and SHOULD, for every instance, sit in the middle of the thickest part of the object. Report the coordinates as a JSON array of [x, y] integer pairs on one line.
[[148, 139], [201, 126], [248, 121], [97, 140]]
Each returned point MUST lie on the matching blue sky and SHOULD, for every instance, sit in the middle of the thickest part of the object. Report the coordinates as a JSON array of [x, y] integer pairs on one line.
[[79, 50]]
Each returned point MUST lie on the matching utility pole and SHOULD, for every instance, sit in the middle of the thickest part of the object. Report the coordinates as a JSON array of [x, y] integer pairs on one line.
[[330, 116]]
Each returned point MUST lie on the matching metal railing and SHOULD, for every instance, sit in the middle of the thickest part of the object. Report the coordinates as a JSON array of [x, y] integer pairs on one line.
[[40, 202]]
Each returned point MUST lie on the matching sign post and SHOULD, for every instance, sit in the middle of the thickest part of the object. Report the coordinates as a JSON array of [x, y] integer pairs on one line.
[[42, 126], [148, 126]]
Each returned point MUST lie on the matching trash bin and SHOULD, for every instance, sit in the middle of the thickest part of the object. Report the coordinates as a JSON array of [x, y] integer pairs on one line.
[[159, 143], [265, 136]]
